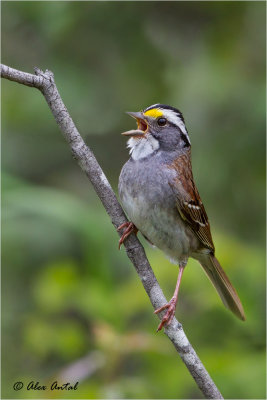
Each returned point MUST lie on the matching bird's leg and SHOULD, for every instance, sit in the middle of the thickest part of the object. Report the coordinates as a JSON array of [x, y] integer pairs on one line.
[[130, 228], [171, 306]]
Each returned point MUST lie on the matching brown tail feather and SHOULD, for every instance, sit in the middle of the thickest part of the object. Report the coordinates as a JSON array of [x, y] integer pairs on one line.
[[223, 285]]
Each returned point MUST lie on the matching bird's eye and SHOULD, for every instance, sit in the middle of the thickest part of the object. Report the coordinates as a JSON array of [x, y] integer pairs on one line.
[[162, 121]]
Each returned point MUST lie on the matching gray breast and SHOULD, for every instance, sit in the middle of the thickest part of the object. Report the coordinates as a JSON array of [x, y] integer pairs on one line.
[[151, 205]]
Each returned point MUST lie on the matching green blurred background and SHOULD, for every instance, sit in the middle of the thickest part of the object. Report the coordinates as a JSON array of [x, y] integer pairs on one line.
[[73, 308]]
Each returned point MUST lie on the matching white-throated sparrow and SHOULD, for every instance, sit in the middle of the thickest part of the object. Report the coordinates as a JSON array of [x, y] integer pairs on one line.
[[159, 195]]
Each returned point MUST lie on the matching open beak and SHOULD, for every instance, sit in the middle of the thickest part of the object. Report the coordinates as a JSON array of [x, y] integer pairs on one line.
[[142, 126]]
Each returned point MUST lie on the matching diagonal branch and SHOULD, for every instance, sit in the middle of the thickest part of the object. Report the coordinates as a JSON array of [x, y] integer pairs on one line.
[[44, 81]]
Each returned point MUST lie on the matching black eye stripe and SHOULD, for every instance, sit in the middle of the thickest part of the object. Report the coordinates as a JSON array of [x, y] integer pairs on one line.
[[183, 136], [186, 141]]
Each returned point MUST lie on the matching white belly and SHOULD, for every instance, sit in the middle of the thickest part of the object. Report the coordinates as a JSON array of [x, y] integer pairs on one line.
[[163, 226]]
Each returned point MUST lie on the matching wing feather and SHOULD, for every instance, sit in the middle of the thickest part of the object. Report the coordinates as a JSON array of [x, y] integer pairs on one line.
[[189, 204]]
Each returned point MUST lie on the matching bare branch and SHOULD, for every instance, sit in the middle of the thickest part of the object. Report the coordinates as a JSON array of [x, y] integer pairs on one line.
[[44, 81]]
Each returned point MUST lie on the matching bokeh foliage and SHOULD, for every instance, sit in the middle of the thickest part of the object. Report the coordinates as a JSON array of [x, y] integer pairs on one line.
[[69, 298]]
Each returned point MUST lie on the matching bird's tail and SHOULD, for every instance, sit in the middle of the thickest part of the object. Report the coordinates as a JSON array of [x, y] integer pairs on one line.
[[222, 284]]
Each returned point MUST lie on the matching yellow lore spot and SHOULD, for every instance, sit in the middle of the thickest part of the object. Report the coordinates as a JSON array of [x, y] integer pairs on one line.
[[154, 113]]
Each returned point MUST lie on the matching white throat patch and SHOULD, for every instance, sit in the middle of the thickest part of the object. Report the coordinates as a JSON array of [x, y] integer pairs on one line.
[[142, 147]]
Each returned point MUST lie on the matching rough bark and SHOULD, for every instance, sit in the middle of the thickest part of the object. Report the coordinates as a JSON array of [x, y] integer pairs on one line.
[[44, 81]]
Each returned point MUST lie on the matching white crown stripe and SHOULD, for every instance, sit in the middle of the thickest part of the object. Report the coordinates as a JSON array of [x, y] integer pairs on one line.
[[151, 107], [172, 116]]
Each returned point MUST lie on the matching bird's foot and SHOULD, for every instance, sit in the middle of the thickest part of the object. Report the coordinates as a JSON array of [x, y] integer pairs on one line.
[[130, 228], [169, 314]]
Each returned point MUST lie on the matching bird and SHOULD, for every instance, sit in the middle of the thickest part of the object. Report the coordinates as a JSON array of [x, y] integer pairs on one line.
[[160, 197]]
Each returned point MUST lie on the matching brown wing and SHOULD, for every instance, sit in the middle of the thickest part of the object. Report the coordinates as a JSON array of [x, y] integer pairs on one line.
[[189, 203]]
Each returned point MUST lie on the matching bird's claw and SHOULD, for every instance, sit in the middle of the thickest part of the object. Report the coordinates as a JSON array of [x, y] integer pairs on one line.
[[130, 228], [169, 314]]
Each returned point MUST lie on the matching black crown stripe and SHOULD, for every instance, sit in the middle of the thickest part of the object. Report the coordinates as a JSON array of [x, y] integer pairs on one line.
[[166, 107]]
